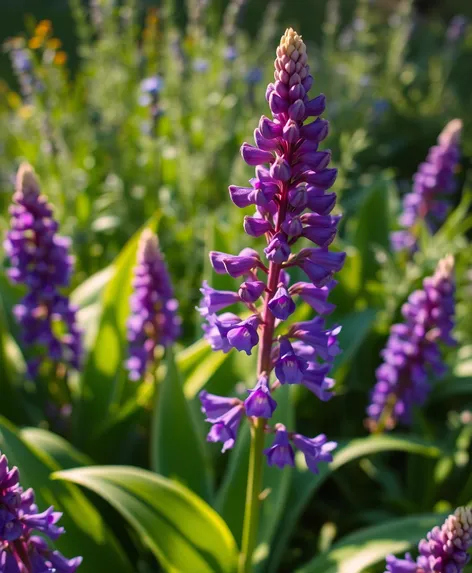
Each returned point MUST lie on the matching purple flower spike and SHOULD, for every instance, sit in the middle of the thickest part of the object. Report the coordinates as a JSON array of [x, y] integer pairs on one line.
[[315, 450], [443, 551], [217, 329], [256, 226], [281, 304], [234, 265], [315, 380], [153, 320], [412, 350], [406, 565], [314, 296], [280, 453], [434, 181], [243, 336], [288, 192], [320, 264], [260, 403], [40, 260], [215, 300], [289, 368], [19, 522], [216, 406], [251, 291], [225, 428], [278, 250]]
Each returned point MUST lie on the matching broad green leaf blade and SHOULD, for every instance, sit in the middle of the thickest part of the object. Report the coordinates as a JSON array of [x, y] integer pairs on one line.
[[86, 533], [104, 378], [183, 532], [370, 545], [59, 449], [176, 449], [91, 290], [305, 484]]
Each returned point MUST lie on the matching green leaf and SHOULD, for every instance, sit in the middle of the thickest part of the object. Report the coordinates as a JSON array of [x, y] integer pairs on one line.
[[91, 290], [305, 484], [359, 550], [103, 379], [355, 327], [86, 533], [59, 449], [183, 532], [373, 225], [176, 449], [455, 386], [13, 369]]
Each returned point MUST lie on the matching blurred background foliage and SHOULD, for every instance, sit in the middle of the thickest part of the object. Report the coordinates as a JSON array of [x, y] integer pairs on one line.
[[115, 153]]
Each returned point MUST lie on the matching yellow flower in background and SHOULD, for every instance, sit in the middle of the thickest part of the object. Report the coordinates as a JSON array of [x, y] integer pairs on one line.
[[14, 100], [53, 44], [151, 17], [35, 42], [26, 111], [60, 58], [43, 28]]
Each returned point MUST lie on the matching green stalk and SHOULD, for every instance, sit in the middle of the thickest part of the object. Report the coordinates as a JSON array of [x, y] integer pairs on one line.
[[254, 481], [251, 510]]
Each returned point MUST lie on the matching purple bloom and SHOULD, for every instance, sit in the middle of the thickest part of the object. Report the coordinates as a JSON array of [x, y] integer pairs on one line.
[[457, 28], [278, 250], [315, 450], [412, 350], [250, 291], [444, 550], [243, 336], [40, 259], [152, 85], [215, 300], [316, 297], [20, 548], [225, 428], [214, 406], [260, 403], [289, 368], [153, 320], [280, 453], [288, 193], [281, 304], [432, 183], [406, 565]]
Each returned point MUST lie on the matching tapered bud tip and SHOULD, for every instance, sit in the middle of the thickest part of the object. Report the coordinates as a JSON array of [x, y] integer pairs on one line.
[[26, 180], [445, 268], [451, 134], [148, 247], [290, 42]]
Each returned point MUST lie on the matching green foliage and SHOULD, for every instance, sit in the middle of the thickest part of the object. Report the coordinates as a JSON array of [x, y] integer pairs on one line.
[[179, 528], [113, 163]]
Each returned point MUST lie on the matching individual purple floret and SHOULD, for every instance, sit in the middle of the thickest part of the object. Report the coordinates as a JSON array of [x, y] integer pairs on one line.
[[21, 550], [290, 200], [413, 353], [154, 320], [40, 260], [432, 184], [280, 453], [443, 551]]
